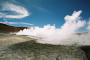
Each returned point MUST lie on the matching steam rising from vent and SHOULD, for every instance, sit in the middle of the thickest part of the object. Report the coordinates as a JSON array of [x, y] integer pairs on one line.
[[88, 25], [52, 35]]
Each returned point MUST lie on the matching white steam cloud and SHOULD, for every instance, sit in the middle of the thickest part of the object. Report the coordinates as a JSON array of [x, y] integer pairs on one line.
[[57, 36], [88, 25], [20, 12]]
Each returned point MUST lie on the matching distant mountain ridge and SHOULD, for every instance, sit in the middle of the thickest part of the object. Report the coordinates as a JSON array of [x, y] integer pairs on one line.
[[8, 28]]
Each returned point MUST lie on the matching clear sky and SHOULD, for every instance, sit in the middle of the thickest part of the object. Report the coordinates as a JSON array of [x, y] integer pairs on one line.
[[42, 12]]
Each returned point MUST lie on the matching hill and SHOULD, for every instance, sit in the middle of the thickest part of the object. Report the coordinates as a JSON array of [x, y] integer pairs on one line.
[[7, 28]]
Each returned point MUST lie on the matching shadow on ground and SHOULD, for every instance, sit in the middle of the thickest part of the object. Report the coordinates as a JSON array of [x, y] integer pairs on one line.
[[34, 51]]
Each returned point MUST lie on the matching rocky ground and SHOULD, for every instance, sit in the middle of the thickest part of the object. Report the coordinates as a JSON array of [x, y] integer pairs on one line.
[[14, 47]]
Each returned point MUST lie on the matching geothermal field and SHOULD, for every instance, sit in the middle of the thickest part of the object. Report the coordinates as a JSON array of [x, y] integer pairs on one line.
[[44, 29], [17, 47]]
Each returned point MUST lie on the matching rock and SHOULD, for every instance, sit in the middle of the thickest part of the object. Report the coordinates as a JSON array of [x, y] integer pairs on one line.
[[33, 51]]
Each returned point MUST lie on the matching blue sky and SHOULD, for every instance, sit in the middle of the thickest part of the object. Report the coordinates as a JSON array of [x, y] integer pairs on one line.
[[44, 12]]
